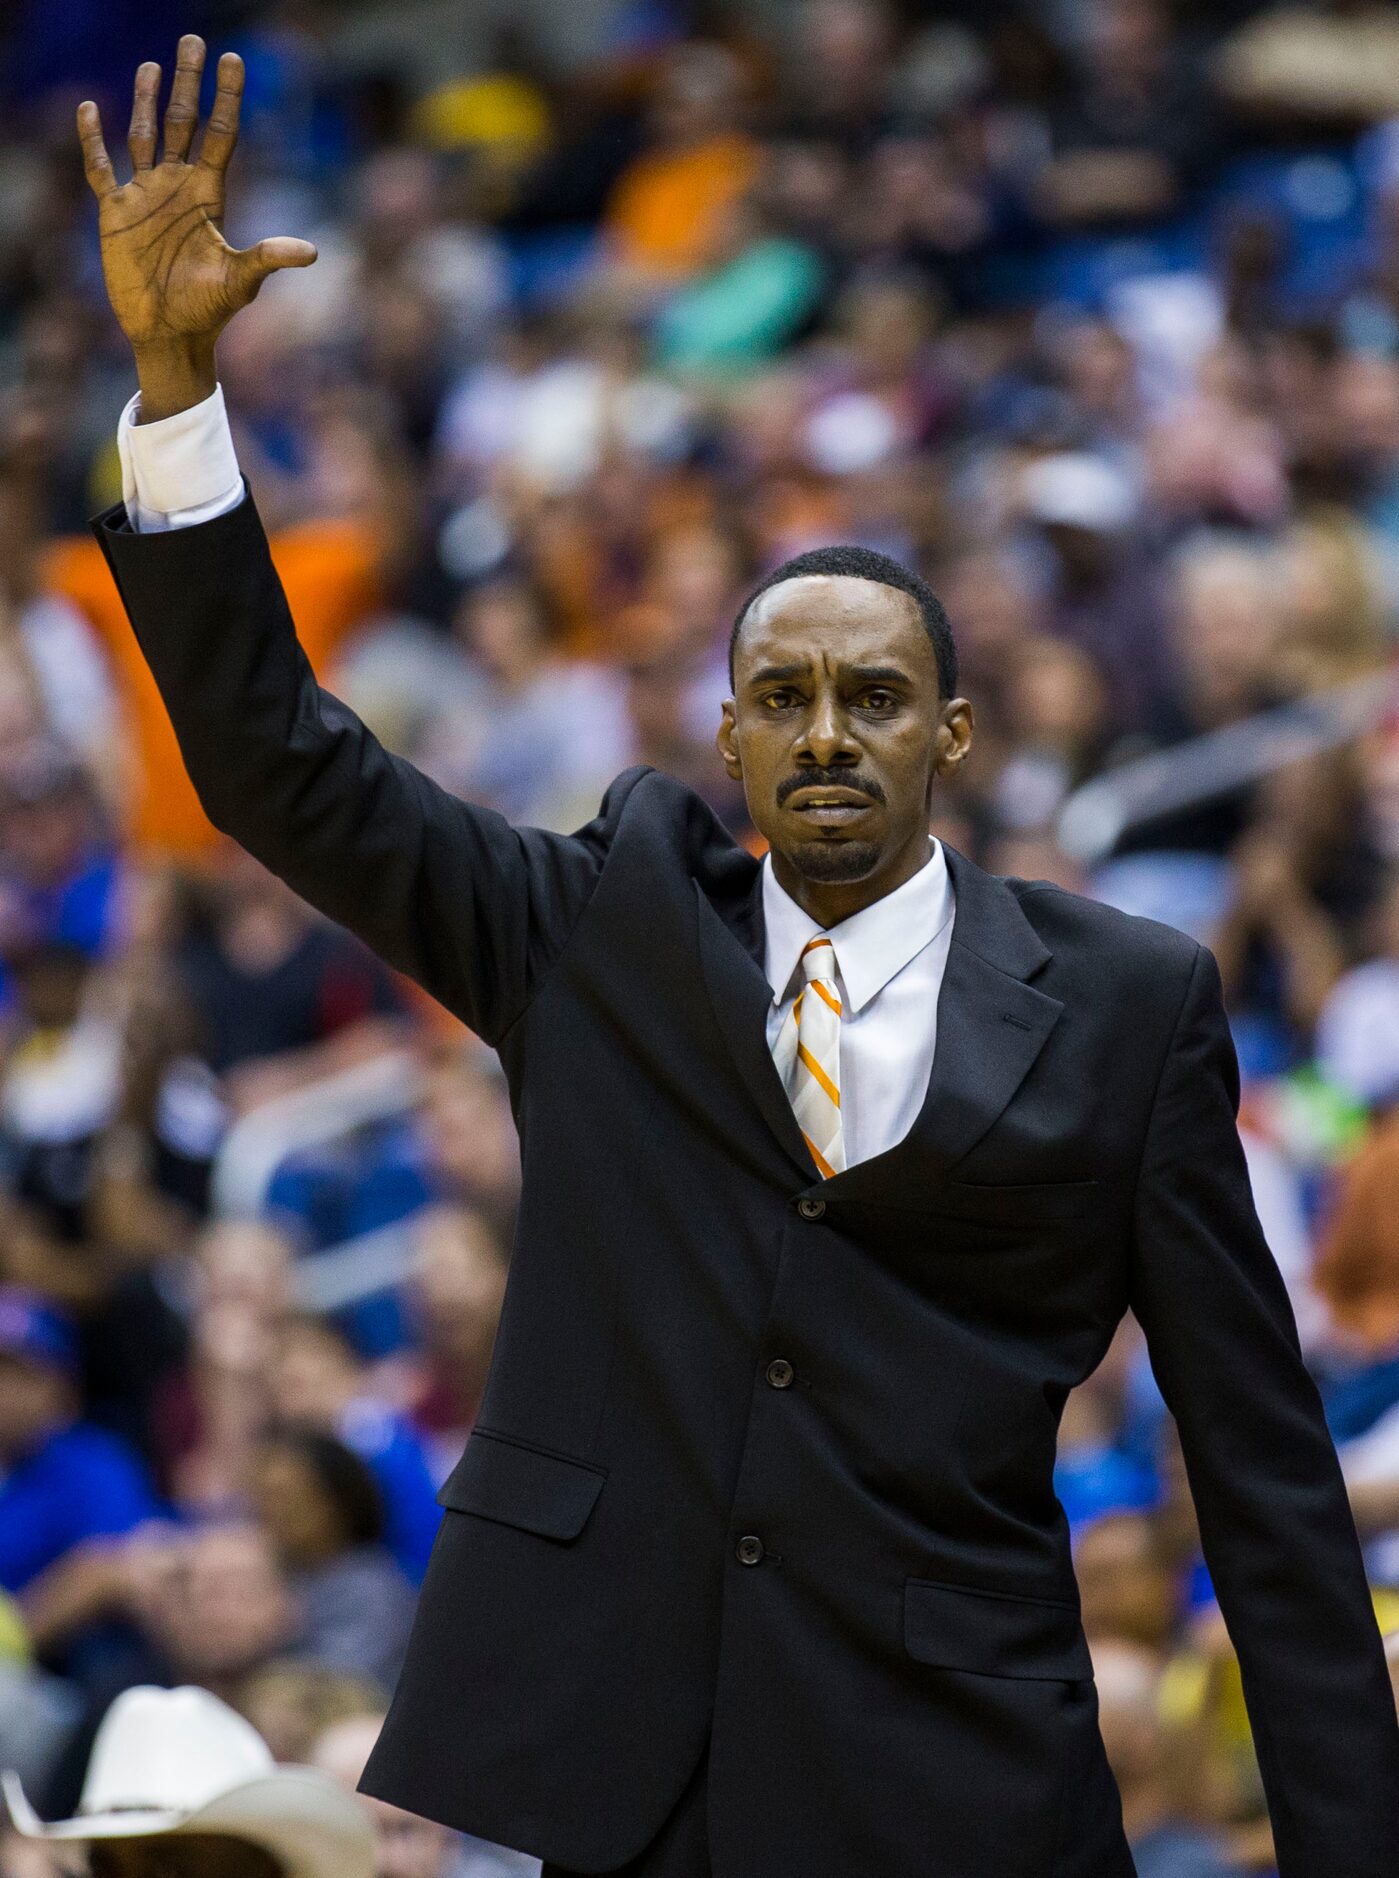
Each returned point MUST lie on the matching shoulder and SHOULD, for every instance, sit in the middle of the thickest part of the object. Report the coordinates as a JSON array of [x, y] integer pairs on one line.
[[1130, 949], [650, 793], [664, 823], [367, 1573], [88, 1442], [93, 1459]]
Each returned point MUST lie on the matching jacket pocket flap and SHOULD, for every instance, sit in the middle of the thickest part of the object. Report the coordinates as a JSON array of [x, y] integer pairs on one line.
[[522, 1486], [994, 1632]]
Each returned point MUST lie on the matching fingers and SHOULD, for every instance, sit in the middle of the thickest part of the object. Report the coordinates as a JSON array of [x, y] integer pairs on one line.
[[266, 257], [97, 165], [140, 139], [182, 112], [283, 251], [221, 131]]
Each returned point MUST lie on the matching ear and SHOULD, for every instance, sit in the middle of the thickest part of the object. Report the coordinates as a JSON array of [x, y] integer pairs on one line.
[[954, 736], [726, 742]]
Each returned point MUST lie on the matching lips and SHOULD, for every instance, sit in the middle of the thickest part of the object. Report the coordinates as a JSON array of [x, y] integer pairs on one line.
[[816, 799], [829, 809]]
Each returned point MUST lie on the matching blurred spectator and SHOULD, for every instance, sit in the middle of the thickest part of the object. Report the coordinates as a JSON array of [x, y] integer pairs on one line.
[[664, 214], [1055, 709], [214, 1800], [1357, 1032], [1103, 594], [1319, 65], [456, 1291], [282, 996], [839, 70], [58, 867], [1134, 134], [406, 1846], [1090, 315], [756, 292], [316, 1379], [1357, 1265], [468, 1132], [1307, 878], [214, 1603], [209, 1411], [550, 734], [164, 1604], [1164, 1842], [292, 1703], [321, 1505], [1125, 1580], [64, 1481]]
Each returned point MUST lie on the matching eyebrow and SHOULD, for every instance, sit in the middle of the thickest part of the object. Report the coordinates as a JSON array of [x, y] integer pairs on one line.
[[866, 674], [770, 674], [880, 674]]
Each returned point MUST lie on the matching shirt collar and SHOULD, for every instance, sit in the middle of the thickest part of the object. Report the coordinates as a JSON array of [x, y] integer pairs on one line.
[[873, 944]]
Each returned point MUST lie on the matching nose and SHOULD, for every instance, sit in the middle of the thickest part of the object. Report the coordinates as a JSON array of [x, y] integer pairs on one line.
[[826, 740]]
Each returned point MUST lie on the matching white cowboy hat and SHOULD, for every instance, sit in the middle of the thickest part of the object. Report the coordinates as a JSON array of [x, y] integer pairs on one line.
[[180, 1760]]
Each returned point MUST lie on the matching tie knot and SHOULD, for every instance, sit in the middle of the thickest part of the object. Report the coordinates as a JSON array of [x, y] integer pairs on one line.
[[818, 959]]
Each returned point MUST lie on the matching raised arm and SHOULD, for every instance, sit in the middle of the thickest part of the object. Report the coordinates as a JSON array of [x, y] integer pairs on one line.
[[1275, 1523], [448, 892], [173, 281]]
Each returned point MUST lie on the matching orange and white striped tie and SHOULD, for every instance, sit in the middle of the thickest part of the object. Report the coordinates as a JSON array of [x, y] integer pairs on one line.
[[807, 1055]]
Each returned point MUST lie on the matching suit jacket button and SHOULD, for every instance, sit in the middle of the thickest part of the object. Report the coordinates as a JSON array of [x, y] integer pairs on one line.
[[811, 1209], [750, 1549], [780, 1372]]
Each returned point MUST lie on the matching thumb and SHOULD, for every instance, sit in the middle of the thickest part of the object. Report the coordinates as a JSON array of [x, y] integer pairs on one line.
[[266, 257]]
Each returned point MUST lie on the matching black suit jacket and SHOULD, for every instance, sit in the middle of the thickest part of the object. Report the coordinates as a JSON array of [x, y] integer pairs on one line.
[[774, 1456]]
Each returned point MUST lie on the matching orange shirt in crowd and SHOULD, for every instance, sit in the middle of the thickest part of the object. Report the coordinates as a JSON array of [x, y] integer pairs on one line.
[[330, 570], [666, 207], [1357, 1266]]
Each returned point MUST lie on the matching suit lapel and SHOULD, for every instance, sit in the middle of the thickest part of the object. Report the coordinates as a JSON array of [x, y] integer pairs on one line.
[[991, 1026], [731, 957]]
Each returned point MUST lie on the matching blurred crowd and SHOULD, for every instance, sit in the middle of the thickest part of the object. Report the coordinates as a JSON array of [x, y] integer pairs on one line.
[[1089, 311]]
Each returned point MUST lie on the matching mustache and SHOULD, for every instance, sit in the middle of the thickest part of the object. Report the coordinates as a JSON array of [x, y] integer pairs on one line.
[[830, 779]]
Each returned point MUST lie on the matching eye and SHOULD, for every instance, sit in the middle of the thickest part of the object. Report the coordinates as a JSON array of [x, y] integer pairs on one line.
[[878, 699], [777, 700]]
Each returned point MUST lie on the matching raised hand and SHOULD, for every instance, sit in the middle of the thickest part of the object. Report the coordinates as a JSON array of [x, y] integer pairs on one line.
[[173, 281]]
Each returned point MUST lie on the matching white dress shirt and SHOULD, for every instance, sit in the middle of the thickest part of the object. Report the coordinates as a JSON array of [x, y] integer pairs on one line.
[[178, 470], [890, 958]]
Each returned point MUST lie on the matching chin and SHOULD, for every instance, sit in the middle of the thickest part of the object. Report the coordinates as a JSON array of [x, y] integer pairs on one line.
[[831, 861]]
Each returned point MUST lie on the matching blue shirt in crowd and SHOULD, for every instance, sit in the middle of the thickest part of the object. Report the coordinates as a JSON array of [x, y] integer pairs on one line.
[[79, 1482]]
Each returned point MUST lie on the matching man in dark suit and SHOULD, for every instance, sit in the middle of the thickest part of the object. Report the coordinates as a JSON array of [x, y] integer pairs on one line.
[[840, 1171]]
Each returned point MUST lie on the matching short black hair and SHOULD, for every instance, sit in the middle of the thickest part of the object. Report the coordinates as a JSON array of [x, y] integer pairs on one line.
[[866, 564], [347, 1480]]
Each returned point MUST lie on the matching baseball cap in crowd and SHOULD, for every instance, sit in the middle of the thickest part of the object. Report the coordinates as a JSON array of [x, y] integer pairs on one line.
[[36, 1331], [1075, 489], [179, 1761]]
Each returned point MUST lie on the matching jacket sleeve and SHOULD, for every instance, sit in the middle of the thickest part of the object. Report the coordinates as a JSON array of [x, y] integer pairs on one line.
[[446, 891], [1275, 1522]]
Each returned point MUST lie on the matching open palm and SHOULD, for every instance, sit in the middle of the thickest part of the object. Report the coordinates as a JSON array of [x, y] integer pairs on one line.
[[171, 277]]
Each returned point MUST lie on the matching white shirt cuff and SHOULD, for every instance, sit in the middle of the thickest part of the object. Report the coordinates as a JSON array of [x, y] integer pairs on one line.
[[178, 470]]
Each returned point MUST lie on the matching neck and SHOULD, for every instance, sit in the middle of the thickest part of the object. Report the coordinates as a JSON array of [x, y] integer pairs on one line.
[[828, 902]]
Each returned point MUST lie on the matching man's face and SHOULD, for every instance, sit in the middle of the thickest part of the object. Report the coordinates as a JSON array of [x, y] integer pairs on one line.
[[225, 1607], [837, 730], [406, 1846], [312, 1376]]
